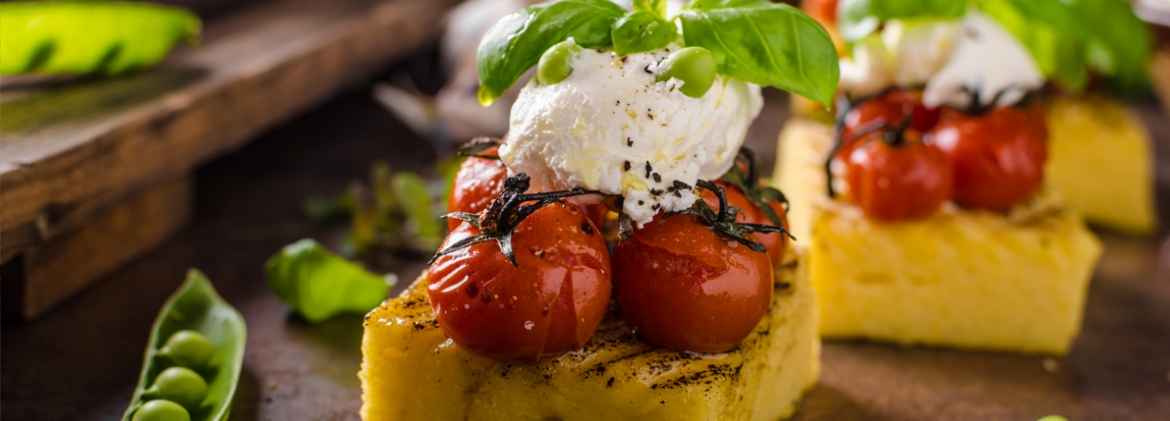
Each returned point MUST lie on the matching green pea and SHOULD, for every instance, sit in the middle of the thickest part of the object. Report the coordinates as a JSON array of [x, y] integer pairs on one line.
[[179, 384], [695, 66], [557, 63], [188, 348], [1053, 418], [161, 410]]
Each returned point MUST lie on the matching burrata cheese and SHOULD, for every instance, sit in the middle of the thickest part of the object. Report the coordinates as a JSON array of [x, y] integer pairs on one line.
[[611, 127]]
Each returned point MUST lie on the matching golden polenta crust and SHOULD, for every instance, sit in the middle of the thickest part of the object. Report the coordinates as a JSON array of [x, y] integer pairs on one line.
[[412, 371]]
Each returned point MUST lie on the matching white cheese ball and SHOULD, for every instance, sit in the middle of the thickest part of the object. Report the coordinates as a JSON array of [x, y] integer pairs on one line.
[[610, 127]]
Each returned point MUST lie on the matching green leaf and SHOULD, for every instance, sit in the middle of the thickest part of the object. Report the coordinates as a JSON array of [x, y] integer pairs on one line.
[[657, 7], [319, 284], [640, 31], [196, 306], [766, 44], [1119, 43], [1050, 31], [76, 37], [859, 18], [517, 41]]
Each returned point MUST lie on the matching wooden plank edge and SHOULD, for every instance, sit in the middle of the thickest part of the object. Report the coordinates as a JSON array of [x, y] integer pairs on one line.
[[181, 131], [51, 272]]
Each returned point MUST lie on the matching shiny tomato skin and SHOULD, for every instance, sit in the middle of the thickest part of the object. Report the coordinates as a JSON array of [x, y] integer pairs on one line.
[[550, 304], [476, 185], [891, 107], [998, 156], [774, 242], [897, 183], [684, 286]]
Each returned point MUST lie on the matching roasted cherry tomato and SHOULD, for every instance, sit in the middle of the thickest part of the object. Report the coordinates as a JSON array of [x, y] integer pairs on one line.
[[893, 176], [684, 286], [477, 183], [888, 110], [998, 156], [752, 214], [549, 302]]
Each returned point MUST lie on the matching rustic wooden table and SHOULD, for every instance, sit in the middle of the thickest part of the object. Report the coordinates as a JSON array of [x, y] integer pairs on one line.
[[80, 361]]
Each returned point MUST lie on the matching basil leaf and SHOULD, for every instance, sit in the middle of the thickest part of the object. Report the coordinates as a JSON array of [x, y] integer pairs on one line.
[[641, 31], [766, 44], [657, 7], [859, 18], [319, 284], [1119, 43], [517, 41], [1050, 31]]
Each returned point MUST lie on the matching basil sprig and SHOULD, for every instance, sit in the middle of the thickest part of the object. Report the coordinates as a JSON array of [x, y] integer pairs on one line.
[[516, 42], [752, 40], [1066, 38], [766, 44], [1119, 43]]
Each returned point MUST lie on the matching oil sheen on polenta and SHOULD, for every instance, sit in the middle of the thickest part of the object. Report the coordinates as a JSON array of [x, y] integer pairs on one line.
[[411, 371]]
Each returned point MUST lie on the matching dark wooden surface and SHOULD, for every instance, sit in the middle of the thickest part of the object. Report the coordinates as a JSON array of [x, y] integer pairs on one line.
[[80, 361]]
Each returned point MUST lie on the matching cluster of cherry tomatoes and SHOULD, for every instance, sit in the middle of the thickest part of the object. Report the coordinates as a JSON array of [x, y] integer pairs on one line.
[[902, 161], [544, 284]]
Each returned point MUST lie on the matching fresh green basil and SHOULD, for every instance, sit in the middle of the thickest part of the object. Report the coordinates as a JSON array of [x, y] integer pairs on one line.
[[517, 41], [641, 31], [319, 284], [1050, 31], [657, 7], [197, 307], [83, 37], [765, 43], [856, 19], [1119, 43]]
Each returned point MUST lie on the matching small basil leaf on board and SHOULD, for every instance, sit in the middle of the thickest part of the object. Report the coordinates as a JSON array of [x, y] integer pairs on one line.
[[639, 32], [1119, 43], [1052, 33], [196, 306], [319, 284], [766, 44], [84, 37], [657, 7], [517, 41], [859, 18]]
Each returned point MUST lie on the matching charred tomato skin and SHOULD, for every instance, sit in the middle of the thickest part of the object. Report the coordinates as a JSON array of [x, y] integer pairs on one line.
[[476, 185], [775, 242], [998, 156], [550, 303], [897, 182], [683, 286]]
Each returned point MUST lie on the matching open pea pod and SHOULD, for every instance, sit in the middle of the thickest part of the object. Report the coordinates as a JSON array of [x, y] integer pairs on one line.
[[196, 306], [84, 37]]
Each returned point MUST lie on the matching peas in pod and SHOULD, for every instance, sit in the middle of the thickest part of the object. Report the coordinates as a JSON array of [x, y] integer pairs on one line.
[[192, 375]]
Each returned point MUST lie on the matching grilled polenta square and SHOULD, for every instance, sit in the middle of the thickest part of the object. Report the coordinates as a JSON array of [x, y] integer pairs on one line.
[[1014, 281], [412, 371]]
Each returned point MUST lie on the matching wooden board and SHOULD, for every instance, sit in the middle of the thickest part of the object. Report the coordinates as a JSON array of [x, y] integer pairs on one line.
[[60, 267], [72, 148]]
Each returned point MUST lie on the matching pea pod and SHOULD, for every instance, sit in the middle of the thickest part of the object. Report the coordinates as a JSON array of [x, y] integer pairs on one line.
[[196, 307], [76, 37]]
